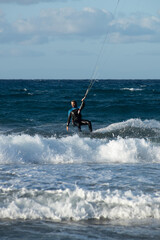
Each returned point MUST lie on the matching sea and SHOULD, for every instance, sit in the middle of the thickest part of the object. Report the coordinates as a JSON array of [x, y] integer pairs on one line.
[[75, 185]]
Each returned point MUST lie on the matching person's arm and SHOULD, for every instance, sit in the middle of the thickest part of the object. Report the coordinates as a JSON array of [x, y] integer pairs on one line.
[[68, 121], [82, 105]]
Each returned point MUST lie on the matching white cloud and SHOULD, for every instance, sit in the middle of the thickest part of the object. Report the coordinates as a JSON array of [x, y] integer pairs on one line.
[[136, 29], [87, 23]]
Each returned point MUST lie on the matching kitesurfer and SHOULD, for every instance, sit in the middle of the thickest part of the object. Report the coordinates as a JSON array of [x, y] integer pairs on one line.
[[75, 114]]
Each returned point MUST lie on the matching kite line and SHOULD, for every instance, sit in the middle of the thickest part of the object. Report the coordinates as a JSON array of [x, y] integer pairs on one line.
[[93, 77]]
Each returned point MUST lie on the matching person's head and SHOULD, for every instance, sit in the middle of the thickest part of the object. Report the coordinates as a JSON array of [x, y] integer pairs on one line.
[[73, 103]]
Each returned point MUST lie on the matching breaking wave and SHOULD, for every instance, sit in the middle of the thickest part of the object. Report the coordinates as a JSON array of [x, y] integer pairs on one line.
[[78, 204], [134, 123], [26, 149]]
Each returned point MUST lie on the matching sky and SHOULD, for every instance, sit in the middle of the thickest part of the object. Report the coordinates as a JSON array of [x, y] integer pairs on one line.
[[79, 39]]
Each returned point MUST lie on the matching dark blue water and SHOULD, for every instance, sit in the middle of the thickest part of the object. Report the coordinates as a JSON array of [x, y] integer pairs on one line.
[[56, 184]]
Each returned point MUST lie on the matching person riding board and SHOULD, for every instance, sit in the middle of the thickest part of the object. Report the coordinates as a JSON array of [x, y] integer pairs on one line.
[[75, 114]]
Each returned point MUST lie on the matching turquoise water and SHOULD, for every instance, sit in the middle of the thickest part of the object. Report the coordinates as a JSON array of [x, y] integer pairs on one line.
[[68, 185]]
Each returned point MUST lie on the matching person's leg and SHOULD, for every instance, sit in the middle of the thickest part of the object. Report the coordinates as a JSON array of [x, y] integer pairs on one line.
[[86, 122], [78, 124]]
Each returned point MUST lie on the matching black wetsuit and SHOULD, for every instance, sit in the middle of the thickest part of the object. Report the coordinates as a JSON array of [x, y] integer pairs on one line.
[[75, 114]]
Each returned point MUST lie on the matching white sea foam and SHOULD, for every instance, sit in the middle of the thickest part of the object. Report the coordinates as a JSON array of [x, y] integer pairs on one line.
[[132, 89], [74, 149], [79, 204], [135, 122]]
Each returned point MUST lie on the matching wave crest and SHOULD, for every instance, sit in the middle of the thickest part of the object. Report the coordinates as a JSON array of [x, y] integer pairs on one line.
[[134, 123], [79, 204], [75, 149]]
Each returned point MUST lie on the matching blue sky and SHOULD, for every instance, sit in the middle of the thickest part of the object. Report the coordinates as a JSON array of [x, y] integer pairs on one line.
[[62, 39]]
